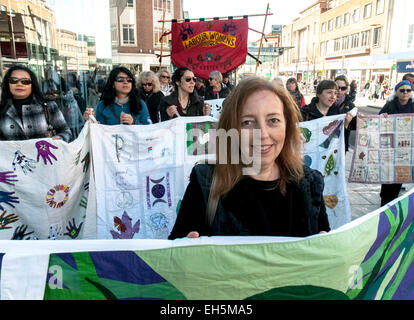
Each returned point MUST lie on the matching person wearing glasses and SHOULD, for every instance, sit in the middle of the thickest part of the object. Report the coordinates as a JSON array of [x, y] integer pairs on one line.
[[24, 112], [324, 103], [164, 77], [120, 102], [184, 101], [150, 93], [400, 101], [216, 88], [344, 104]]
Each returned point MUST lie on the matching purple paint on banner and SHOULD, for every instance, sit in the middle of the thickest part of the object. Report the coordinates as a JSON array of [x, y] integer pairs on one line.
[[68, 259], [383, 231], [148, 194], [168, 190], [124, 266], [405, 290]]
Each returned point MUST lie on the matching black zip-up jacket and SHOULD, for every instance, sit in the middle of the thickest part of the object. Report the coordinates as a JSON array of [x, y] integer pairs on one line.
[[194, 109], [249, 209], [394, 107], [311, 112], [152, 100], [209, 95]]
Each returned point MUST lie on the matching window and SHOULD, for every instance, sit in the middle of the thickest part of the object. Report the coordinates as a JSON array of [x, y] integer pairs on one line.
[[345, 43], [377, 37], [323, 27], [365, 38], [337, 45], [367, 11], [329, 47], [346, 18], [321, 49], [355, 15], [3, 8], [130, 3], [128, 34], [330, 25], [380, 7], [355, 40], [338, 22]]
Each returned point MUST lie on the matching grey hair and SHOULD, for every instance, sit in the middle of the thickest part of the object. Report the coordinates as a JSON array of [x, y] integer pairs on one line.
[[146, 76], [216, 75]]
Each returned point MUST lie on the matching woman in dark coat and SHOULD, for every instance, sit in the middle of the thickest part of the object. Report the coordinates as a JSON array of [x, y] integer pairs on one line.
[[24, 113], [401, 101], [184, 101], [216, 88], [150, 92]]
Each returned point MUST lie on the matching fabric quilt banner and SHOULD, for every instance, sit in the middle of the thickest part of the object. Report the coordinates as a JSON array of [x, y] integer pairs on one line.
[[383, 150], [142, 173], [324, 150], [216, 106], [370, 258], [44, 188], [205, 46]]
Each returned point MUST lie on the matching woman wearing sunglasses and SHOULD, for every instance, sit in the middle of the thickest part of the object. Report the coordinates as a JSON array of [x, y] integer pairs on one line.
[[24, 113], [344, 104], [400, 101], [184, 101], [164, 76], [120, 102], [149, 86], [216, 88]]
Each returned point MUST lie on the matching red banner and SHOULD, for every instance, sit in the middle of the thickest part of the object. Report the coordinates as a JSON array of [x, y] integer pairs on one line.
[[205, 46]]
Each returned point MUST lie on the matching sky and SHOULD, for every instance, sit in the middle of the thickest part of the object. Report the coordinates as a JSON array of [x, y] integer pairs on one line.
[[284, 11], [91, 17]]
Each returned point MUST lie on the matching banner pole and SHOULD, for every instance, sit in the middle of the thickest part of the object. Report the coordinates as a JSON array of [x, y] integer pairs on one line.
[[219, 18], [162, 36], [261, 39]]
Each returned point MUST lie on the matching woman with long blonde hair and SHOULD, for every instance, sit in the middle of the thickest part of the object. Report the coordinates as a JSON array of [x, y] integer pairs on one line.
[[268, 191], [149, 87]]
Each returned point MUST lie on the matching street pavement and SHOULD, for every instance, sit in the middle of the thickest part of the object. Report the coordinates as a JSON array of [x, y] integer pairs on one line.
[[363, 198]]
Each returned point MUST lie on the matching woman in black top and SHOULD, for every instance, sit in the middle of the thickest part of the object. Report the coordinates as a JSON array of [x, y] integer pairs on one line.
[[184, 101], [401, 101], [344, 104], [216, 89], [149, 86], [274, 196]]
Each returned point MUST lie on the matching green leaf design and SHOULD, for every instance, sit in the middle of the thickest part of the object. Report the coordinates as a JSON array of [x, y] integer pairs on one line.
[[330, 165]]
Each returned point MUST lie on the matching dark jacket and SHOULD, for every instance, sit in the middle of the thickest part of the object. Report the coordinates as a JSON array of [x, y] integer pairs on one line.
[[209, 95], [34, 124], [194, 109], [345, 107], [306, 197], [152, 100], [394, 107], [311, 112]]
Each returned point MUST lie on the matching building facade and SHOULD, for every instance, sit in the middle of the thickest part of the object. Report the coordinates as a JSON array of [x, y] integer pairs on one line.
[[335, 37], [136, 32]]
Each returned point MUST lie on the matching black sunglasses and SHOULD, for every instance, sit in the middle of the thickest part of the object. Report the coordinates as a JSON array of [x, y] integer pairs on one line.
[[405, 90], [24, 81], [190, 78], [210, 79], [122, 79], [343, 88], [149, 84], [165, 77]]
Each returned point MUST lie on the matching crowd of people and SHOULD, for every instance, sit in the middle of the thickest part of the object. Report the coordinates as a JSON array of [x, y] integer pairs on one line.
[[220, 199]]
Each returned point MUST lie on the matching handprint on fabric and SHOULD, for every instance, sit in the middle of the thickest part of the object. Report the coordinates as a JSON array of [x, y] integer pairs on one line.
[[20, 233], [6, 177], [73, 230], [25, 163], [43, 150], [7, 198], [6, 220]]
